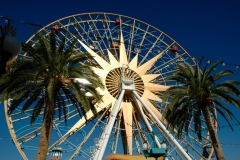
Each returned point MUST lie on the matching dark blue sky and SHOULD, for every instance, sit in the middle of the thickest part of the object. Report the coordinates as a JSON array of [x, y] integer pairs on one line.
[[204, 28]]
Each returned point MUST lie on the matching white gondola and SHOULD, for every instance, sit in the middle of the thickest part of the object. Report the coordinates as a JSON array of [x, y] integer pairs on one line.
[[136, 50]]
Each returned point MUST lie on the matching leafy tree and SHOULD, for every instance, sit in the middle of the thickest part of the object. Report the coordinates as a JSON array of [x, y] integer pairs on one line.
[[201, 93], [47, 76]]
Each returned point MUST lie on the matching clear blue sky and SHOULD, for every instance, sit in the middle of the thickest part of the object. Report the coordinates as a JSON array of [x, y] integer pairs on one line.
[[204, 28]]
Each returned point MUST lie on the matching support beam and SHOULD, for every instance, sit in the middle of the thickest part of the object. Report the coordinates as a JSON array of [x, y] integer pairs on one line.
[[163, 127], [146, 121], [89, 134], [117, 132], [100, 151]]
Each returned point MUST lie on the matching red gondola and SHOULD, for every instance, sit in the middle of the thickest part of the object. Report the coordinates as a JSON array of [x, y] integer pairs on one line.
[[56, 29], [173, 49], [118, 22], [210, 101], [136, 50]]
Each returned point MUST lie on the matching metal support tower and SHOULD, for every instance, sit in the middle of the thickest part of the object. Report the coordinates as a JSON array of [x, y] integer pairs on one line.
[[127, 87]]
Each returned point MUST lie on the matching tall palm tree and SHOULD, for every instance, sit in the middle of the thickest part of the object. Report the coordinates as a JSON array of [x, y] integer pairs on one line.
[[201, 93], [42, 80]]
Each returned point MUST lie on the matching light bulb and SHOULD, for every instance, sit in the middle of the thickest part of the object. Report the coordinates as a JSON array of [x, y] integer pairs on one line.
[[164, 145], [145, 147]]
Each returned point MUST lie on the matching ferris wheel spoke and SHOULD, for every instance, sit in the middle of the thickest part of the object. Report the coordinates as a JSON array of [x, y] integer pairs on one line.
[[130, 41], [116, 132], [116, 38], [28, 113], [143, 38], [167, 139], [150, 50], [140, 130], [166, 63], [99, 37], [110, 36], [137, 144], [207, 140], [36, 132], [73, 130], [107, 99], [77, 29], [89, 134], [105, 65], [96, 38], [70, 33], [193, 148]]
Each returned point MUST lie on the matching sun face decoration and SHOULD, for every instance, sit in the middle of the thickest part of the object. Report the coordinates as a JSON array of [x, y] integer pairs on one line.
[[110, 74]]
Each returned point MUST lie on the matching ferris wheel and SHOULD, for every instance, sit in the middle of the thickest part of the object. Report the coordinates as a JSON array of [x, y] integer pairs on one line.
[[132, 59]]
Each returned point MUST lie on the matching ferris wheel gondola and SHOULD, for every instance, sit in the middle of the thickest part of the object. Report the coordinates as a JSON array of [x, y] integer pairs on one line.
[[114, 41]]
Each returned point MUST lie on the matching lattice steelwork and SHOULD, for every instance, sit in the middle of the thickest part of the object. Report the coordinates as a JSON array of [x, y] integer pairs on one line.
[[147, 52]]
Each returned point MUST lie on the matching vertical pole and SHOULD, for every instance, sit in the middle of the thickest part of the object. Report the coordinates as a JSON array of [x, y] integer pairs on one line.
[[163, 127], [100, 152]]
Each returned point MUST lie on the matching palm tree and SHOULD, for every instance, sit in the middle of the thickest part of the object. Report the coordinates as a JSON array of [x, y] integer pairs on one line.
[[45, 78], [200, 93]]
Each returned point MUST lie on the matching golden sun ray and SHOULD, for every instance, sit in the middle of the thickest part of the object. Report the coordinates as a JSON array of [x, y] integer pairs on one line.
[[155, 87], [149, 77], [110, 74], [149, 95], [133, 63], [113, 61], [123, 53], [127, 116], [155, 111], [106, 100], [105, 65], [100, 72], [141, 70]]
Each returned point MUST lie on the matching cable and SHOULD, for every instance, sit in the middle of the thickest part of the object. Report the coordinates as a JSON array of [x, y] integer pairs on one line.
[[20, 21]]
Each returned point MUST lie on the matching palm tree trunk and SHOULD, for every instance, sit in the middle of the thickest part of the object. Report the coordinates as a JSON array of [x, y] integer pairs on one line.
[[213, 134], [45, 132]]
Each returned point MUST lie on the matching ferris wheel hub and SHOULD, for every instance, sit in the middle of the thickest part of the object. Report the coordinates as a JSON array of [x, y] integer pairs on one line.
[[114, 82], [132, 57]]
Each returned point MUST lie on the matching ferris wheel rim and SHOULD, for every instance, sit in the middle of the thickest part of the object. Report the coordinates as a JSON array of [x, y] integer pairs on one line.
[[64, 18]]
